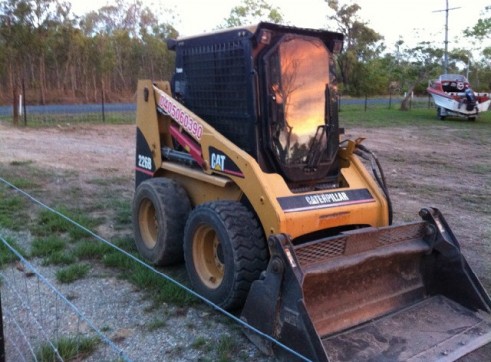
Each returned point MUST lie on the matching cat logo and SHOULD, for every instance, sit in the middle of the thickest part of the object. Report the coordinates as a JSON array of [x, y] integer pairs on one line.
[[218, 162]]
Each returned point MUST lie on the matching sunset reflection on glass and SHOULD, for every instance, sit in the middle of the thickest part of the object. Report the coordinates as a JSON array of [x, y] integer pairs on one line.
[[297, 86]]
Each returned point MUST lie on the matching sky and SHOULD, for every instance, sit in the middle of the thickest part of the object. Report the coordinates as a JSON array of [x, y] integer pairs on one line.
[[409, 20]]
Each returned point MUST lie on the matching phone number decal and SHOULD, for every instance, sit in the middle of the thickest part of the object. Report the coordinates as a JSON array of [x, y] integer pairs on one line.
[[180, 116]]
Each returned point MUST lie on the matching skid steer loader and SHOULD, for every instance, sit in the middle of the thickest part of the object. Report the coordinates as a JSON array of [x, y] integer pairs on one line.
[[242, 172]]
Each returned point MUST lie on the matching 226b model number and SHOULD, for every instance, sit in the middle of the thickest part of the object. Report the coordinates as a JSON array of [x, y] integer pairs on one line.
[[145, 162]]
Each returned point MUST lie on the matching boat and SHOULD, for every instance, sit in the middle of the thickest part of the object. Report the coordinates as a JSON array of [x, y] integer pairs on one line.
[[453, 96]]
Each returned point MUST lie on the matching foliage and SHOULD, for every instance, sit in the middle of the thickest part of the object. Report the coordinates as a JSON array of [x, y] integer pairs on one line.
[[365, 68], [61, 57], [44, 46], [252, 12], [482, 28], [361, 46]]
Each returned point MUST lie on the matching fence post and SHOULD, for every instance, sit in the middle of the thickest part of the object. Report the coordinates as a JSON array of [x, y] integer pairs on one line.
[[24, 102], [103, 113], [15, 100]]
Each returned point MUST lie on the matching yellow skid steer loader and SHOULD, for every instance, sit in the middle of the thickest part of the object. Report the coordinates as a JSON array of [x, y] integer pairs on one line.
[[241, 173]]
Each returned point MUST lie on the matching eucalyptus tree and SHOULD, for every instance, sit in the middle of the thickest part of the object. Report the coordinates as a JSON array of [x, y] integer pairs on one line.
[[251, 12], [362, 45]]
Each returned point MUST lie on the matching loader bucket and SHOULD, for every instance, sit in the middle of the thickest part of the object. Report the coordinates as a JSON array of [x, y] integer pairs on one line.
[[397, 293]]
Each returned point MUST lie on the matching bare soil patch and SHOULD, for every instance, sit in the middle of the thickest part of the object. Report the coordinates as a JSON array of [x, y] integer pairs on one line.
[[442, 166]]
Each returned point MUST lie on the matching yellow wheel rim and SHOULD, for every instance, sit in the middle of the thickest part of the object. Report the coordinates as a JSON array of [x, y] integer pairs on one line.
[[149, 226], [208, 256]]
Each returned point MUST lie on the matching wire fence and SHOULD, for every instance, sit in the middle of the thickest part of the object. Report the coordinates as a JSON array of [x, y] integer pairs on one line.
[[40, 322], [116, 113], [71, 113]]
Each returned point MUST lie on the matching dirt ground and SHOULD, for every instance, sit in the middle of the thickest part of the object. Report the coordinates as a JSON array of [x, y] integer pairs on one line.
[[442, 166]]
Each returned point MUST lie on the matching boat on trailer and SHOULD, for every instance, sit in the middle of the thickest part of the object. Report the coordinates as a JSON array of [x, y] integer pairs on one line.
[[453, 96]]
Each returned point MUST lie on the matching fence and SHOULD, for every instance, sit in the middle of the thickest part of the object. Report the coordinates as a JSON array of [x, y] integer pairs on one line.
[[72, 113], [42, 323], [115, 113]]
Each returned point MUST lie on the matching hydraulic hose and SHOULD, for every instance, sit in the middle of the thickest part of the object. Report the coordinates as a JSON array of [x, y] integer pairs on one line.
[[378, 174]]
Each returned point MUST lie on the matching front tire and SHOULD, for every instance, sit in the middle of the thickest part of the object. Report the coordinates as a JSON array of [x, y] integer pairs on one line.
[[225, 251], [160, 209]]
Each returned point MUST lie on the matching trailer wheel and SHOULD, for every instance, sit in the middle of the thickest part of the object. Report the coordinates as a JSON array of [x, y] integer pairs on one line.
[[439, 114], [225, 251], [160, 210]]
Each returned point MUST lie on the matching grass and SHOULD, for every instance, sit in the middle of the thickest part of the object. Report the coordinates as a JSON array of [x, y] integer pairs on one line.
[[89, 249], [162, 291], [13, 211], [6, 254], [156, 324], [69, 349], [45, 246], [199, 343], [378, 116], [226, 348], [36, 120], [72, 273], [59, 242], [50, 223]]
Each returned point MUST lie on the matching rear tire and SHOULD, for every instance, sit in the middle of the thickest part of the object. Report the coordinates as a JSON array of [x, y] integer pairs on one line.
[[225, 251], [160, 209]]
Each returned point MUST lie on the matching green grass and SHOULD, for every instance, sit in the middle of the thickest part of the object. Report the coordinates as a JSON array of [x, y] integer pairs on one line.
[[24, 184], [89, 249], [156, 324], [60, 258], [13, 210], [381, 117], [49, 223], [161, 290], [199, 343], [72, 273], [227, 348], [42, 247], [6, 255], [69, 349], [67, 119]]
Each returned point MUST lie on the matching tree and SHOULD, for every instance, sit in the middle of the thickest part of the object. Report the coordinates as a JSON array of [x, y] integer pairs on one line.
[[482, 29], [361, 45], [478, 33], [252, 12], [61, 56], [420, 63]]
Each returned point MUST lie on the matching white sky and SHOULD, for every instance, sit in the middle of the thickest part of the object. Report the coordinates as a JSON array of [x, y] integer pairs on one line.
[[409, 20]]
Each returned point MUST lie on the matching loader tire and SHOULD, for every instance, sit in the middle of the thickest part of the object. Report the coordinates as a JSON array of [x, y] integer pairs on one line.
[[160, 209], [225, 251]]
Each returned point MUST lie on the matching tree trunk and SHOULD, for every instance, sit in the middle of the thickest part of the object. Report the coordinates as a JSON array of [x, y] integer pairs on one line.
[[407, 98], [42, 80]]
